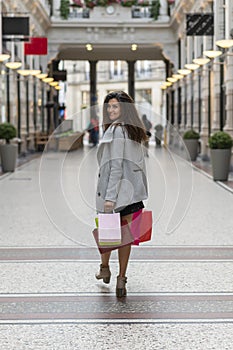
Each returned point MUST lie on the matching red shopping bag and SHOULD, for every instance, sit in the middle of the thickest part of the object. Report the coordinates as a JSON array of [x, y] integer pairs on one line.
[[141, 226], [126, 239]]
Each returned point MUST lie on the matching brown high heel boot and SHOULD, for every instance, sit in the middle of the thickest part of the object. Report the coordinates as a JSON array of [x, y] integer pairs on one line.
[[120, 287], [104, 274]]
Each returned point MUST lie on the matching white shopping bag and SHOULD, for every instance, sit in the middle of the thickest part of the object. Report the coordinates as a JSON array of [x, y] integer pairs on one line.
[[109, 229]]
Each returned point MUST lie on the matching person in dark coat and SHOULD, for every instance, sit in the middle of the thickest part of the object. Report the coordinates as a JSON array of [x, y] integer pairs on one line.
[[148, 127]]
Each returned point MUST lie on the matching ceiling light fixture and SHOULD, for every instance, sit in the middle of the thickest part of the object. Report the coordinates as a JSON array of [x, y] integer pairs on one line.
[[225, 43], [5, 54], [54, 83], [41, 75], [4, 57], [24, 72], [177, 76], [172, 80], [47, 80], [14, 62], [134, 47], [212, 53], [192, 66], [89, 47], [35, 71], [201, 61], [184, 71]]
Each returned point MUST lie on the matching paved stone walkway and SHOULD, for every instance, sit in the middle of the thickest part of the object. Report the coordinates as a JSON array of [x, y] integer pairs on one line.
[[180, 286]]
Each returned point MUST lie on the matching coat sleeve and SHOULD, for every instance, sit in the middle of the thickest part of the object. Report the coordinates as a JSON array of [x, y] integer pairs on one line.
[[116, 164]]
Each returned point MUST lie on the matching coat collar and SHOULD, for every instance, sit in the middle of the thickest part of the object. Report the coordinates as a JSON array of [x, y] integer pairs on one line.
[[109, 133], [107, 138]]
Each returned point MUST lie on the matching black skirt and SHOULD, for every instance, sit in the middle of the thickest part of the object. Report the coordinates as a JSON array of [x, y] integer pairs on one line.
[[132, 208]]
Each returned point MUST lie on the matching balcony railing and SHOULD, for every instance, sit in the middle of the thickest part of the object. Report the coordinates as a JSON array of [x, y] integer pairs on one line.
[[137, 12], [150, 9], [141, 12], [78, 12]]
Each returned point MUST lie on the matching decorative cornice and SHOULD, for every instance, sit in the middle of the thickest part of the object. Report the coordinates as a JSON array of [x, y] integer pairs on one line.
[[39, 14], [180, 10]]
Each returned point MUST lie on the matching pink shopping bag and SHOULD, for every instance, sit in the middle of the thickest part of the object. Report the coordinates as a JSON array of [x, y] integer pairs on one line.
[[109, 229], [126, 239]]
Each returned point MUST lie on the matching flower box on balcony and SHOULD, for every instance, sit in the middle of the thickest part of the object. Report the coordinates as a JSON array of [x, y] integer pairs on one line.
[[77, 3]]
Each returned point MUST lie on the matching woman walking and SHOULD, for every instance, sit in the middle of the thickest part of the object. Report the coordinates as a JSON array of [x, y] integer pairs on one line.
[[122, 183]]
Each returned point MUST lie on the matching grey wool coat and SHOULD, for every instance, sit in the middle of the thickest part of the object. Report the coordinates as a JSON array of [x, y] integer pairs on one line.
[[122, 172]]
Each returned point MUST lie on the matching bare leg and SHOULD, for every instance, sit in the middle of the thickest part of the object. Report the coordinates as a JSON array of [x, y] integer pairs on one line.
[[123, 256], [105, 259], [124, 252]]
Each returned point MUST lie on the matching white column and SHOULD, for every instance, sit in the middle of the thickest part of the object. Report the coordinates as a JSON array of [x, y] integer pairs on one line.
[[205, 113], [229, 70], [219, 24], [207, 45], [219, 34], [228, 18], [182, 85], [197, 46], [195, 100], [189, 49], [23, 112], [183, 82], [118, 68], [56, 7], [1, 26], [229, 95], [163, 16], [175, 107], [188, 82], [216, 94], [1, 104]]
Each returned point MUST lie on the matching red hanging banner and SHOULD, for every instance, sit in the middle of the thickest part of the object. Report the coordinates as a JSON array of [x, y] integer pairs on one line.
[[36, 46]]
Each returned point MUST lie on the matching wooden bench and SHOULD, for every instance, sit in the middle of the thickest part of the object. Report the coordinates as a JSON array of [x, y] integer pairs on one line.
[[41, 141], [71, 142]]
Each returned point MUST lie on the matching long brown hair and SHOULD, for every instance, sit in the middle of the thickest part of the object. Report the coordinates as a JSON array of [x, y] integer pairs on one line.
[[129, 117]]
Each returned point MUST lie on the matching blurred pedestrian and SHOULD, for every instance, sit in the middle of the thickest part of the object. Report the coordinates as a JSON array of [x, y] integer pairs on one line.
[[148, 127], [93, 129], [158, 134]]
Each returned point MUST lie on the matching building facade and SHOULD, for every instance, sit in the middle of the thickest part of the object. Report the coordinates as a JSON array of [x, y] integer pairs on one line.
[[124, 47], [203, 98]]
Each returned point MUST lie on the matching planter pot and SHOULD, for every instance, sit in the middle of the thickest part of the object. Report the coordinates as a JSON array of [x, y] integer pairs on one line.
[[8, 156], [192, 147], [220, 160]]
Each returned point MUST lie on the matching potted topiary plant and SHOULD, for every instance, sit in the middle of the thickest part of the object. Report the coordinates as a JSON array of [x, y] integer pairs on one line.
[[64, 9], [155, 8], [191, 141], [220, 144], [8, 152]]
